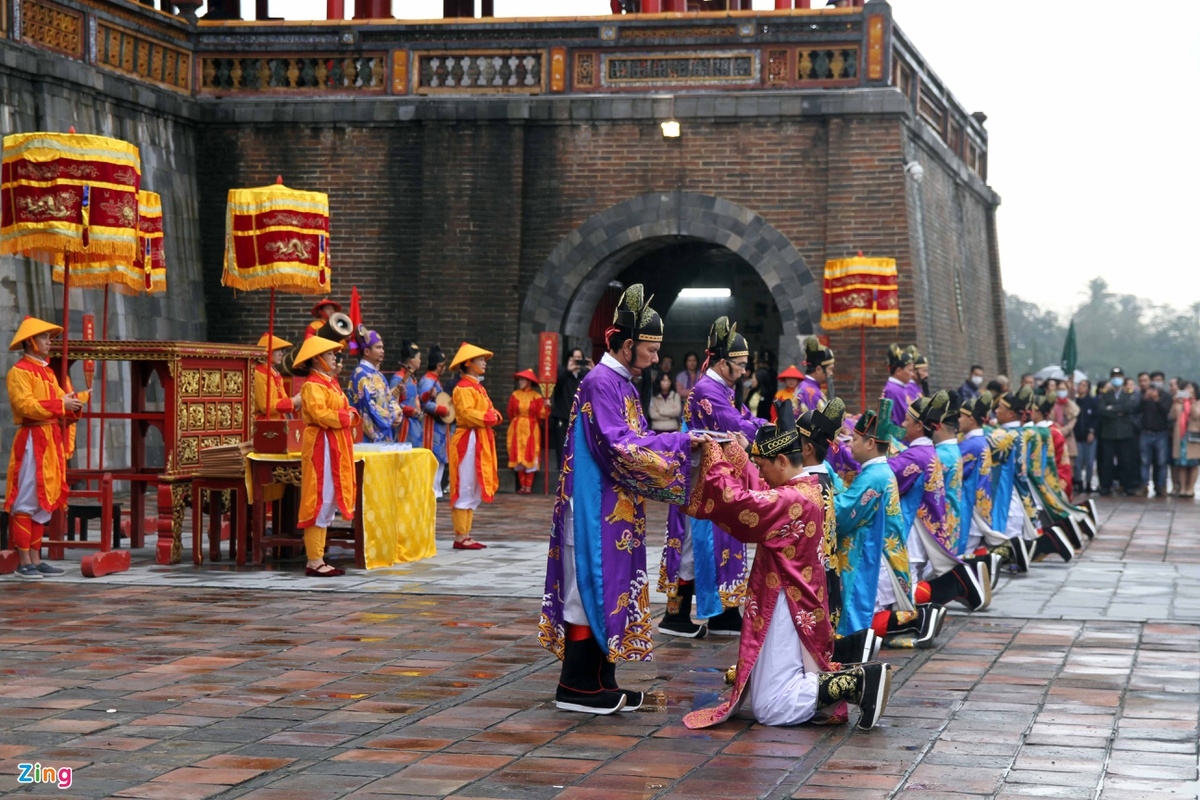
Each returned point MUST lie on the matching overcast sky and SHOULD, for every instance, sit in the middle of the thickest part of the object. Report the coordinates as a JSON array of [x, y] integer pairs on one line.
[[1092, 123]]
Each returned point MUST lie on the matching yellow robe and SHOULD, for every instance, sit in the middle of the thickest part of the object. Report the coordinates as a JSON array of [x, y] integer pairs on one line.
[[37, 408], [526, 410], [280, 399], [327, 416], [471, 407]]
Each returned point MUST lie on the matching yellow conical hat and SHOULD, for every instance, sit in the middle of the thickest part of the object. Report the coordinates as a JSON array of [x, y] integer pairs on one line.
[[31, 327], [276, 342], [468, 352], [314, 346]]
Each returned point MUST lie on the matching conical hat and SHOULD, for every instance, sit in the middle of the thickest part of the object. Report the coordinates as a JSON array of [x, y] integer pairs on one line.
[[276, 342], [527, 374], [468, 352], [792, 372], [314, 346], [31, 327]]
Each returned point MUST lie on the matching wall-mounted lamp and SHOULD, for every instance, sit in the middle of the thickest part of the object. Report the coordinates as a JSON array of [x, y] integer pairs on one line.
[[704, 293], [670, 129], [915, 171]]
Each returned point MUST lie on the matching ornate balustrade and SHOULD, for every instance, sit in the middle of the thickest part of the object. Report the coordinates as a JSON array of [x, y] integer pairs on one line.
[[737, 51]]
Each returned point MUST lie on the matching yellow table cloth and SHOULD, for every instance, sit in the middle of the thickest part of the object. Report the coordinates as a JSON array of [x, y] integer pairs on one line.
[[399, 509]]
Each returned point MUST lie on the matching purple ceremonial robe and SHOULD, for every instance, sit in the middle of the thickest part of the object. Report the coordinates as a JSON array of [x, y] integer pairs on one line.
[[809, 395], [611, 462], [898, 394], [721, 578], [923, 493]]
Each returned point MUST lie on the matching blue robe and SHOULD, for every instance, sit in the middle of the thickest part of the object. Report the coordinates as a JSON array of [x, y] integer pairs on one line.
[[435, 433], [378, 408], [952, 471], [415, 435], [976, 481], [869, 526]]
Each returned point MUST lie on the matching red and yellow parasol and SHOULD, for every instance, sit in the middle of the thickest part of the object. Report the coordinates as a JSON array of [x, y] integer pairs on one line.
[[861, 293], [277, 238], [146, 272]]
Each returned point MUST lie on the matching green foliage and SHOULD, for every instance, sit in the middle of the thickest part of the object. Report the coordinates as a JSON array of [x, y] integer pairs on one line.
[[1110, 329]]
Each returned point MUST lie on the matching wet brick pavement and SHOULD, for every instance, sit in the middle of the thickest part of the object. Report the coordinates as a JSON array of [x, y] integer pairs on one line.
[[425, 680]]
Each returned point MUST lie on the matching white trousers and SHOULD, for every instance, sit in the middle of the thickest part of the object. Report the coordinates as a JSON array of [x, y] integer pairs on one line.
[[437, 480], [328, 507], [783, 685], [687, 563], [27, 488], [470, 493], [572, 603]]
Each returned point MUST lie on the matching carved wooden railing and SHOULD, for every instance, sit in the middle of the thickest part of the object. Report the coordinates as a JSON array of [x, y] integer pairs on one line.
[[738, 51]]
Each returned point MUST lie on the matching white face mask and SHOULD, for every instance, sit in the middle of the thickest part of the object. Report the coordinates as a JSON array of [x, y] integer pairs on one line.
[[976, 380], [1062, 394], [1117, 382]]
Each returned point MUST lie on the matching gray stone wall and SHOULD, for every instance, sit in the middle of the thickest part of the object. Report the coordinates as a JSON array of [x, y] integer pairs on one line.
[[39, 91]]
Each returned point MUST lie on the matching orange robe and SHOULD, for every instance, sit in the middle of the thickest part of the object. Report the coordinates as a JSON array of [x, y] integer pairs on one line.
[[37, 408], [471, 407], [280, 399], [327, 416], [783, 394], [526, 410], [313, 327]]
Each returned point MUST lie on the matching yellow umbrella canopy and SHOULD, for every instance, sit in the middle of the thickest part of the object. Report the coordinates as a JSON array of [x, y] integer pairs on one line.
[[147, 272], [277, 238], [69, 193]]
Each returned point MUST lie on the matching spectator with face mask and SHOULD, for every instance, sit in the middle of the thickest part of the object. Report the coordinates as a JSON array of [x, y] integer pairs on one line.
[[1064, 416], [1118, 449], [972, 385]]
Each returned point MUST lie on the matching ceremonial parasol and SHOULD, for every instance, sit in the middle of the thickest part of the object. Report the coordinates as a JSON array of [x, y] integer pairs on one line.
[[146, 272], [69, 198], [277, 238], [860, 292]]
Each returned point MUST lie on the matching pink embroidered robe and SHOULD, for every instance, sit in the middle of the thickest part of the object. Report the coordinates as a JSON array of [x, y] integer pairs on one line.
[[787, 524]]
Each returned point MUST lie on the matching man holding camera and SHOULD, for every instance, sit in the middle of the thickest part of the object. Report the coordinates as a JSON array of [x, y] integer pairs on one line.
[[564, 395], [1154, 440]]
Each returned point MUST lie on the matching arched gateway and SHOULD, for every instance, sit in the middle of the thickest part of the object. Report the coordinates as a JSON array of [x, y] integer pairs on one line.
[[565, 291]]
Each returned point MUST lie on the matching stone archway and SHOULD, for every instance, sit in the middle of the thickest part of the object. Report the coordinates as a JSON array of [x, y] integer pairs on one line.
[[566, 289]]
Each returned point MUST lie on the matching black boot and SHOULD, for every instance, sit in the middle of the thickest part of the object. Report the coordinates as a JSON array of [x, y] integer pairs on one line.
[[968, 584], [991, 561], [866, 686], [923, 625], [608, 680], [579, 686], [678, 619], [1071, 529], [1091, 510], [857, 648], [833, 594], [1087, 526], [727, 623], [1019, 556], [1052, 542]]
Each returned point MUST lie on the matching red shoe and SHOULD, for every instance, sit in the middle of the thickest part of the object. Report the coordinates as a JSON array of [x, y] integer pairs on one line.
[[468, 544], [315, 572]]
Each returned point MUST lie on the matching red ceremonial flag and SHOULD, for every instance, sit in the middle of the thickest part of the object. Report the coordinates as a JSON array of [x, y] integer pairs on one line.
[[355, 317]]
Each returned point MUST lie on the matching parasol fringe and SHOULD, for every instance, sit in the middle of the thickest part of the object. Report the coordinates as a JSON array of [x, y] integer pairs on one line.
[[293, 284]]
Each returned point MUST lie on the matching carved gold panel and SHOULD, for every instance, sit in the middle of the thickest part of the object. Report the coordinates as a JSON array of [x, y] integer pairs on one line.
[[239, 416], [230, 438], [233, 383], [182, 424], [195, 416], [210, 417], [224, 416], [189, 452], [210, 383], [53, 27], [189, 383], [209, 441]]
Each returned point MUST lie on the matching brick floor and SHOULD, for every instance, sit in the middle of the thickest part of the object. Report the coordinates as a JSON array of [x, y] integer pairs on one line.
[[1082, 681]]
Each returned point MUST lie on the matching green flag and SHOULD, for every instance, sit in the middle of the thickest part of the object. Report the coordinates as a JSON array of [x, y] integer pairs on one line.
[[1069, 354]]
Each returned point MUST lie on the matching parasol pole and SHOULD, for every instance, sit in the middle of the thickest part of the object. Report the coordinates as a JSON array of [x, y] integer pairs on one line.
[[103, 380], [862, 366], [270, 341]]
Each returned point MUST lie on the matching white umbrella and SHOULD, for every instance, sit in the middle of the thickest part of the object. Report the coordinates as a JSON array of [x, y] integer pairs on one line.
[[1046, 373]]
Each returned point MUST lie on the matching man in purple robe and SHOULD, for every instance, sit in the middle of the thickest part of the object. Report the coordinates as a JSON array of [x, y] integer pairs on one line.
[[931, 540], [896, 388], [818, 369], [699, 560], [596, 606]]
